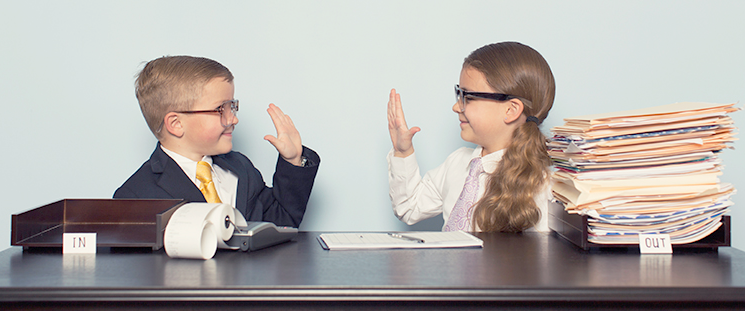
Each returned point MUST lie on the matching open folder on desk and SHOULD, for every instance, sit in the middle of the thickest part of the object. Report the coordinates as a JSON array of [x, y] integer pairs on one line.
[[417, 239]]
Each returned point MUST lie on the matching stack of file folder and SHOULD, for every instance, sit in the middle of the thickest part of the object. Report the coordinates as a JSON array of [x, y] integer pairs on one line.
[[645, 171]]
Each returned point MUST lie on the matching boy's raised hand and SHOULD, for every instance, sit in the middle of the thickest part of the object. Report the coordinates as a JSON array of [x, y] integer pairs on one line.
[[401, 134], [287, 141]]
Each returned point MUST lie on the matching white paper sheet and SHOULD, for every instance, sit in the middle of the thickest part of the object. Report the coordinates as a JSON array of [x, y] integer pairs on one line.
[[430, 239]]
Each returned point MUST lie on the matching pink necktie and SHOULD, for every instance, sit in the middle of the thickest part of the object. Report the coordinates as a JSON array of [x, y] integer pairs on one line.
[[460, 217]]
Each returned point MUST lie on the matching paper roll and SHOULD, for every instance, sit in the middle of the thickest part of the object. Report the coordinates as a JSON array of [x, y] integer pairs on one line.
[[222, 216], [196, 229]]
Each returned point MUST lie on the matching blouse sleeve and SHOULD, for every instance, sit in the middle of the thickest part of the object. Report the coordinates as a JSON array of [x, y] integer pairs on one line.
[[414, 197]]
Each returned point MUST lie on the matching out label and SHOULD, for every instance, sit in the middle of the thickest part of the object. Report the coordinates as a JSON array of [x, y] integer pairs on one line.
[[655, 244]]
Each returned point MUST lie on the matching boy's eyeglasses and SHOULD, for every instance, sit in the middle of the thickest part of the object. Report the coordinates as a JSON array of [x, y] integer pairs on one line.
[[461, 96], [227, 111]]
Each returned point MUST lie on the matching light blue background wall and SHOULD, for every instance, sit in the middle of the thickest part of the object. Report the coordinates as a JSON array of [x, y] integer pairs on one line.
[[71, 127]]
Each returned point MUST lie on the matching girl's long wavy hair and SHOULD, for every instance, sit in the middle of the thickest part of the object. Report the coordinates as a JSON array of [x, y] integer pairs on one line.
[[516, 69]]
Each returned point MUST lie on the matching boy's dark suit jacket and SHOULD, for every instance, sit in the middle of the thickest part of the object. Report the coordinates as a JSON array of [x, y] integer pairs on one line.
[[283, 204]]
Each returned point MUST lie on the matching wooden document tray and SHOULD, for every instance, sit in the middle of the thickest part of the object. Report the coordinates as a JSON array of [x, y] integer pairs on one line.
[[573, 227], [116, 222]]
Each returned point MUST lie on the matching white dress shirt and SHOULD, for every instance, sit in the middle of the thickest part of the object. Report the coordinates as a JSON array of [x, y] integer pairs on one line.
[[416, 198], [226, 183]]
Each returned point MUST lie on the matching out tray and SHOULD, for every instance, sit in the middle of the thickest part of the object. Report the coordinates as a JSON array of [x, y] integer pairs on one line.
[[573, 227], [116, 222]]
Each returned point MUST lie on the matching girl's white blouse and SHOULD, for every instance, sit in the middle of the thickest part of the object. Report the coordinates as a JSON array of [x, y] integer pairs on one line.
[[416, 198]]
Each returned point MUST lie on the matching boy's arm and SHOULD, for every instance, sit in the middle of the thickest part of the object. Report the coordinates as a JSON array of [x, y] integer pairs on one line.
[[287, 200]]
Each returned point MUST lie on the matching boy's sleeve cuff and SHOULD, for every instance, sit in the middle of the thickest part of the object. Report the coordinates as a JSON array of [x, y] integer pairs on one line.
[[309, 158]]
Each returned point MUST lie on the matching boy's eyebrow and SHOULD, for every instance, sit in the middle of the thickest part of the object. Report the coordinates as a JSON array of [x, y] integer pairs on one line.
[[220, 103]]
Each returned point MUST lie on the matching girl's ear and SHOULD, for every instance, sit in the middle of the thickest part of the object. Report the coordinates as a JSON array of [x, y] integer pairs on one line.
[[514, 110], [173, 125]]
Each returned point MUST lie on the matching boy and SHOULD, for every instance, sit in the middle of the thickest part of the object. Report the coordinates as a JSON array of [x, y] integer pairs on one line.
[[188, 104]]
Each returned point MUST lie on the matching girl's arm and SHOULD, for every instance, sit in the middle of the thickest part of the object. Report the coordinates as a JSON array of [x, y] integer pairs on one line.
[[413, 198]]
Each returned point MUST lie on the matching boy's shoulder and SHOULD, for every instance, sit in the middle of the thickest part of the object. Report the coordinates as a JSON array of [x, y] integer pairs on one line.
[[232, 156], [160, 162], [161, 170], [144, 183], [235, 161]]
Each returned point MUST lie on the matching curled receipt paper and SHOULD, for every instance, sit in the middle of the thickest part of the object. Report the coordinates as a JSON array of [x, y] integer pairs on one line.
[[196, 230]]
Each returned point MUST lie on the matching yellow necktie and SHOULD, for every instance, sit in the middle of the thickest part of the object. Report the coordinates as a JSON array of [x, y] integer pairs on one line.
[[204, 175]]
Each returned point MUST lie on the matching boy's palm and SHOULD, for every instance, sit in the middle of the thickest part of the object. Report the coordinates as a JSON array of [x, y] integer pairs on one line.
[[401, 135], [287, 141]]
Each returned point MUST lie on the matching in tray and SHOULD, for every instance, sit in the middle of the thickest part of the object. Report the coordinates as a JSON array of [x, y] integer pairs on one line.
[[116, 222]]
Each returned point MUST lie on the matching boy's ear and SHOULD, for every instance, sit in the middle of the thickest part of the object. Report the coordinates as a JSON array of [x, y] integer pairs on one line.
[[172, 124], [514, 110]]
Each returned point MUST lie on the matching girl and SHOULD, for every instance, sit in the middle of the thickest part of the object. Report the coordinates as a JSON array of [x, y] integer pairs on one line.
[[505, 91]]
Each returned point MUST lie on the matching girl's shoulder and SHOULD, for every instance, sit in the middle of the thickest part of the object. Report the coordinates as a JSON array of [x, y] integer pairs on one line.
[[461, 154]]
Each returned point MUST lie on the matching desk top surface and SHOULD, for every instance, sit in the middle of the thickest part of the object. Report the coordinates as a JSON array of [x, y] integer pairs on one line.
[[528, 266]]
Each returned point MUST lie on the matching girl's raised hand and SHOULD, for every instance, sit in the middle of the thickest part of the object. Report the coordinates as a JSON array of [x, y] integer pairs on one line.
[[401, 134]]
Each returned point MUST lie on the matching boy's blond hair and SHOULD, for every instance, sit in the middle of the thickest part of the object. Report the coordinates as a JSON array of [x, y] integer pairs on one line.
[[174, 83]]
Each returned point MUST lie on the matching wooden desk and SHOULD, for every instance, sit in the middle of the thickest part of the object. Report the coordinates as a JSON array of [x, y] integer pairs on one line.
[[530, 270]]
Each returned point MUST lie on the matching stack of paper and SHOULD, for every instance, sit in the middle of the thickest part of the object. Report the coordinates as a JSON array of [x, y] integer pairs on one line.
[[652, 170]]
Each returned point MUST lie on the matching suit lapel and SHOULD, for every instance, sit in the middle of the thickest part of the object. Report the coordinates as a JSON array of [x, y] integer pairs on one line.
[[173, 179]]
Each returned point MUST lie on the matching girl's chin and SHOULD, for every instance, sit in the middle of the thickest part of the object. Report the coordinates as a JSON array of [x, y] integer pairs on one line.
[[468, 135]]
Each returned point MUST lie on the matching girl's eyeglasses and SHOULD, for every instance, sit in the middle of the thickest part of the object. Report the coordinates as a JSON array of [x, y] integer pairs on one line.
[[462, 95]]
